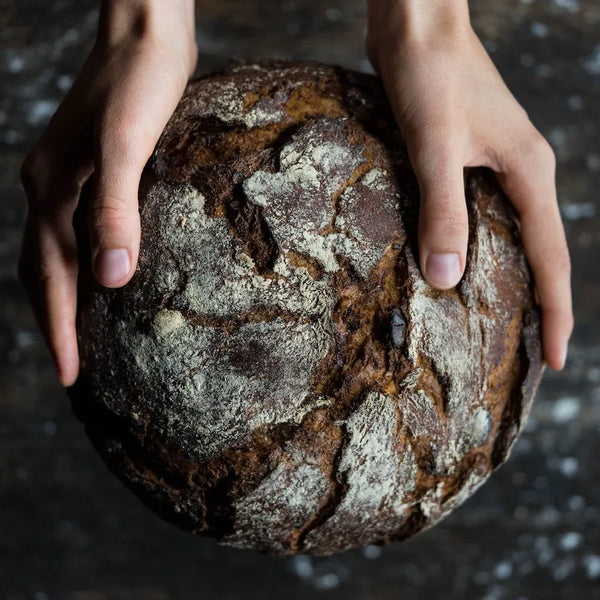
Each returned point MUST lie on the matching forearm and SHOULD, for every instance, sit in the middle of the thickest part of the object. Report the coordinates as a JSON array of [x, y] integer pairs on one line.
[[415, 18], [157, 21], [413, 23]]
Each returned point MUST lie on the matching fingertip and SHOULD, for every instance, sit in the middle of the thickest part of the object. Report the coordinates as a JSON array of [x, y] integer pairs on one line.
[[555, 341], [112, 267], [66, 359], [443, 229], [443, 270], [67, 375], [559, 359], [555, 366]]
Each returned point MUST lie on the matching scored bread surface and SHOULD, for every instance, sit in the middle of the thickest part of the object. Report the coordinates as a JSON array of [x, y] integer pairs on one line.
[[278, 374]]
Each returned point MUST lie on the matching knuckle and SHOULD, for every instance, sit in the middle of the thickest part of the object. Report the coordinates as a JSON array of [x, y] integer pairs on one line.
[[546, 154], [561, 316], [447, 222], [436, 154], [569, 322], [47, 182], [124, 134], [539, 152], [46, 269], [121, 139], [109, 216], [562, 261], [33, 168]]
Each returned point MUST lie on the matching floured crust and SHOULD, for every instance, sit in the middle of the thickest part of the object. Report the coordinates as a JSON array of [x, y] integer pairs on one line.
[[277, 374]]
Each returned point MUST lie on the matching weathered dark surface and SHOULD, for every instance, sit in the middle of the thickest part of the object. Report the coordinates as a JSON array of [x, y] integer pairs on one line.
[[70, 530], [346, 440]]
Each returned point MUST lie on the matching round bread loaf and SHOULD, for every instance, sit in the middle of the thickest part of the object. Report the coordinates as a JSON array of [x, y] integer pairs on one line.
[[278, 374]]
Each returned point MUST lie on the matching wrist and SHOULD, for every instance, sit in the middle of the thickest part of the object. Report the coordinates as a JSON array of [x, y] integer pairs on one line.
[[415, 21], [165, 22]]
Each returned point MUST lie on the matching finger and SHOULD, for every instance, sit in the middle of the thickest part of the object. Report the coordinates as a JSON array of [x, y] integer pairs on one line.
[[57, 291], [48, 262], [48, 271], [27, 268], [127, 132], [114, 220], [529, 182], [443, 218]]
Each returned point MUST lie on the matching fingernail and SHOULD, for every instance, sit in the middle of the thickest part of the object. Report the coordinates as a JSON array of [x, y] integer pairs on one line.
[[443, 270], [563, 356], [112, 266]]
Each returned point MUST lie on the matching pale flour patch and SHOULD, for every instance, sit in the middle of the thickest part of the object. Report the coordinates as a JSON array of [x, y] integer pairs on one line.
[[477, 427], [418, 410], [214, 387], [491, 249], [362, 226], [431, 503], [259, 115], [290, 493], [454, 337], [438, 331], [377, 179], [377, 479], [224, 99], [297, 200], [167, 322]]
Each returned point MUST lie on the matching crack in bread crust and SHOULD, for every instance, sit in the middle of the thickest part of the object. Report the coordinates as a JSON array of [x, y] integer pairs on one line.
[[254, 315]]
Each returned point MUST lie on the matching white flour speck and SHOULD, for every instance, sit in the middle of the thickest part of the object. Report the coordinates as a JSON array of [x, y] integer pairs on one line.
[[302, 566], [40, 111], [539, 30], [592, 162], [328, 581], [565, 409], [562, 568], [569, 466], [584, 210], [592, 64], [575, 102], [371, 551], [592, 566], [571, 6], [571, 540], [503, 570], [576, 503]]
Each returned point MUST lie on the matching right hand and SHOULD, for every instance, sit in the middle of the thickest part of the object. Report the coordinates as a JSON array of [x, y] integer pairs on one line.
[[108, 124], [455, 111]]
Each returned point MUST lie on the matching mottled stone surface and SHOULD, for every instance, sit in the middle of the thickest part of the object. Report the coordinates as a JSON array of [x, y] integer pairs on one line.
[[71, 530]]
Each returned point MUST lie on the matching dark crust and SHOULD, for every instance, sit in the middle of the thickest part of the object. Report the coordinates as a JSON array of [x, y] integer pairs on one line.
[[216, 157]]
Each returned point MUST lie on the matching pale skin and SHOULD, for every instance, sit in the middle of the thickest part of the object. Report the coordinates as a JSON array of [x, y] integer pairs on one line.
[[450, 104]]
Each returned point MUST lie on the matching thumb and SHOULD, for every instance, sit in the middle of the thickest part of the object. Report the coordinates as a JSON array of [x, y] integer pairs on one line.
[[114, 218], [135, 115], [443, 219]]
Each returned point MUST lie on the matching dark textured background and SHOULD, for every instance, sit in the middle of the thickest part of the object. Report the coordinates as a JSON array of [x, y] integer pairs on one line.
[[69, 529]]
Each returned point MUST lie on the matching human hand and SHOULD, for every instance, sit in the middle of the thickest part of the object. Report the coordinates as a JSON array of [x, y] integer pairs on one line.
[[454, 111], [108, 124]]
